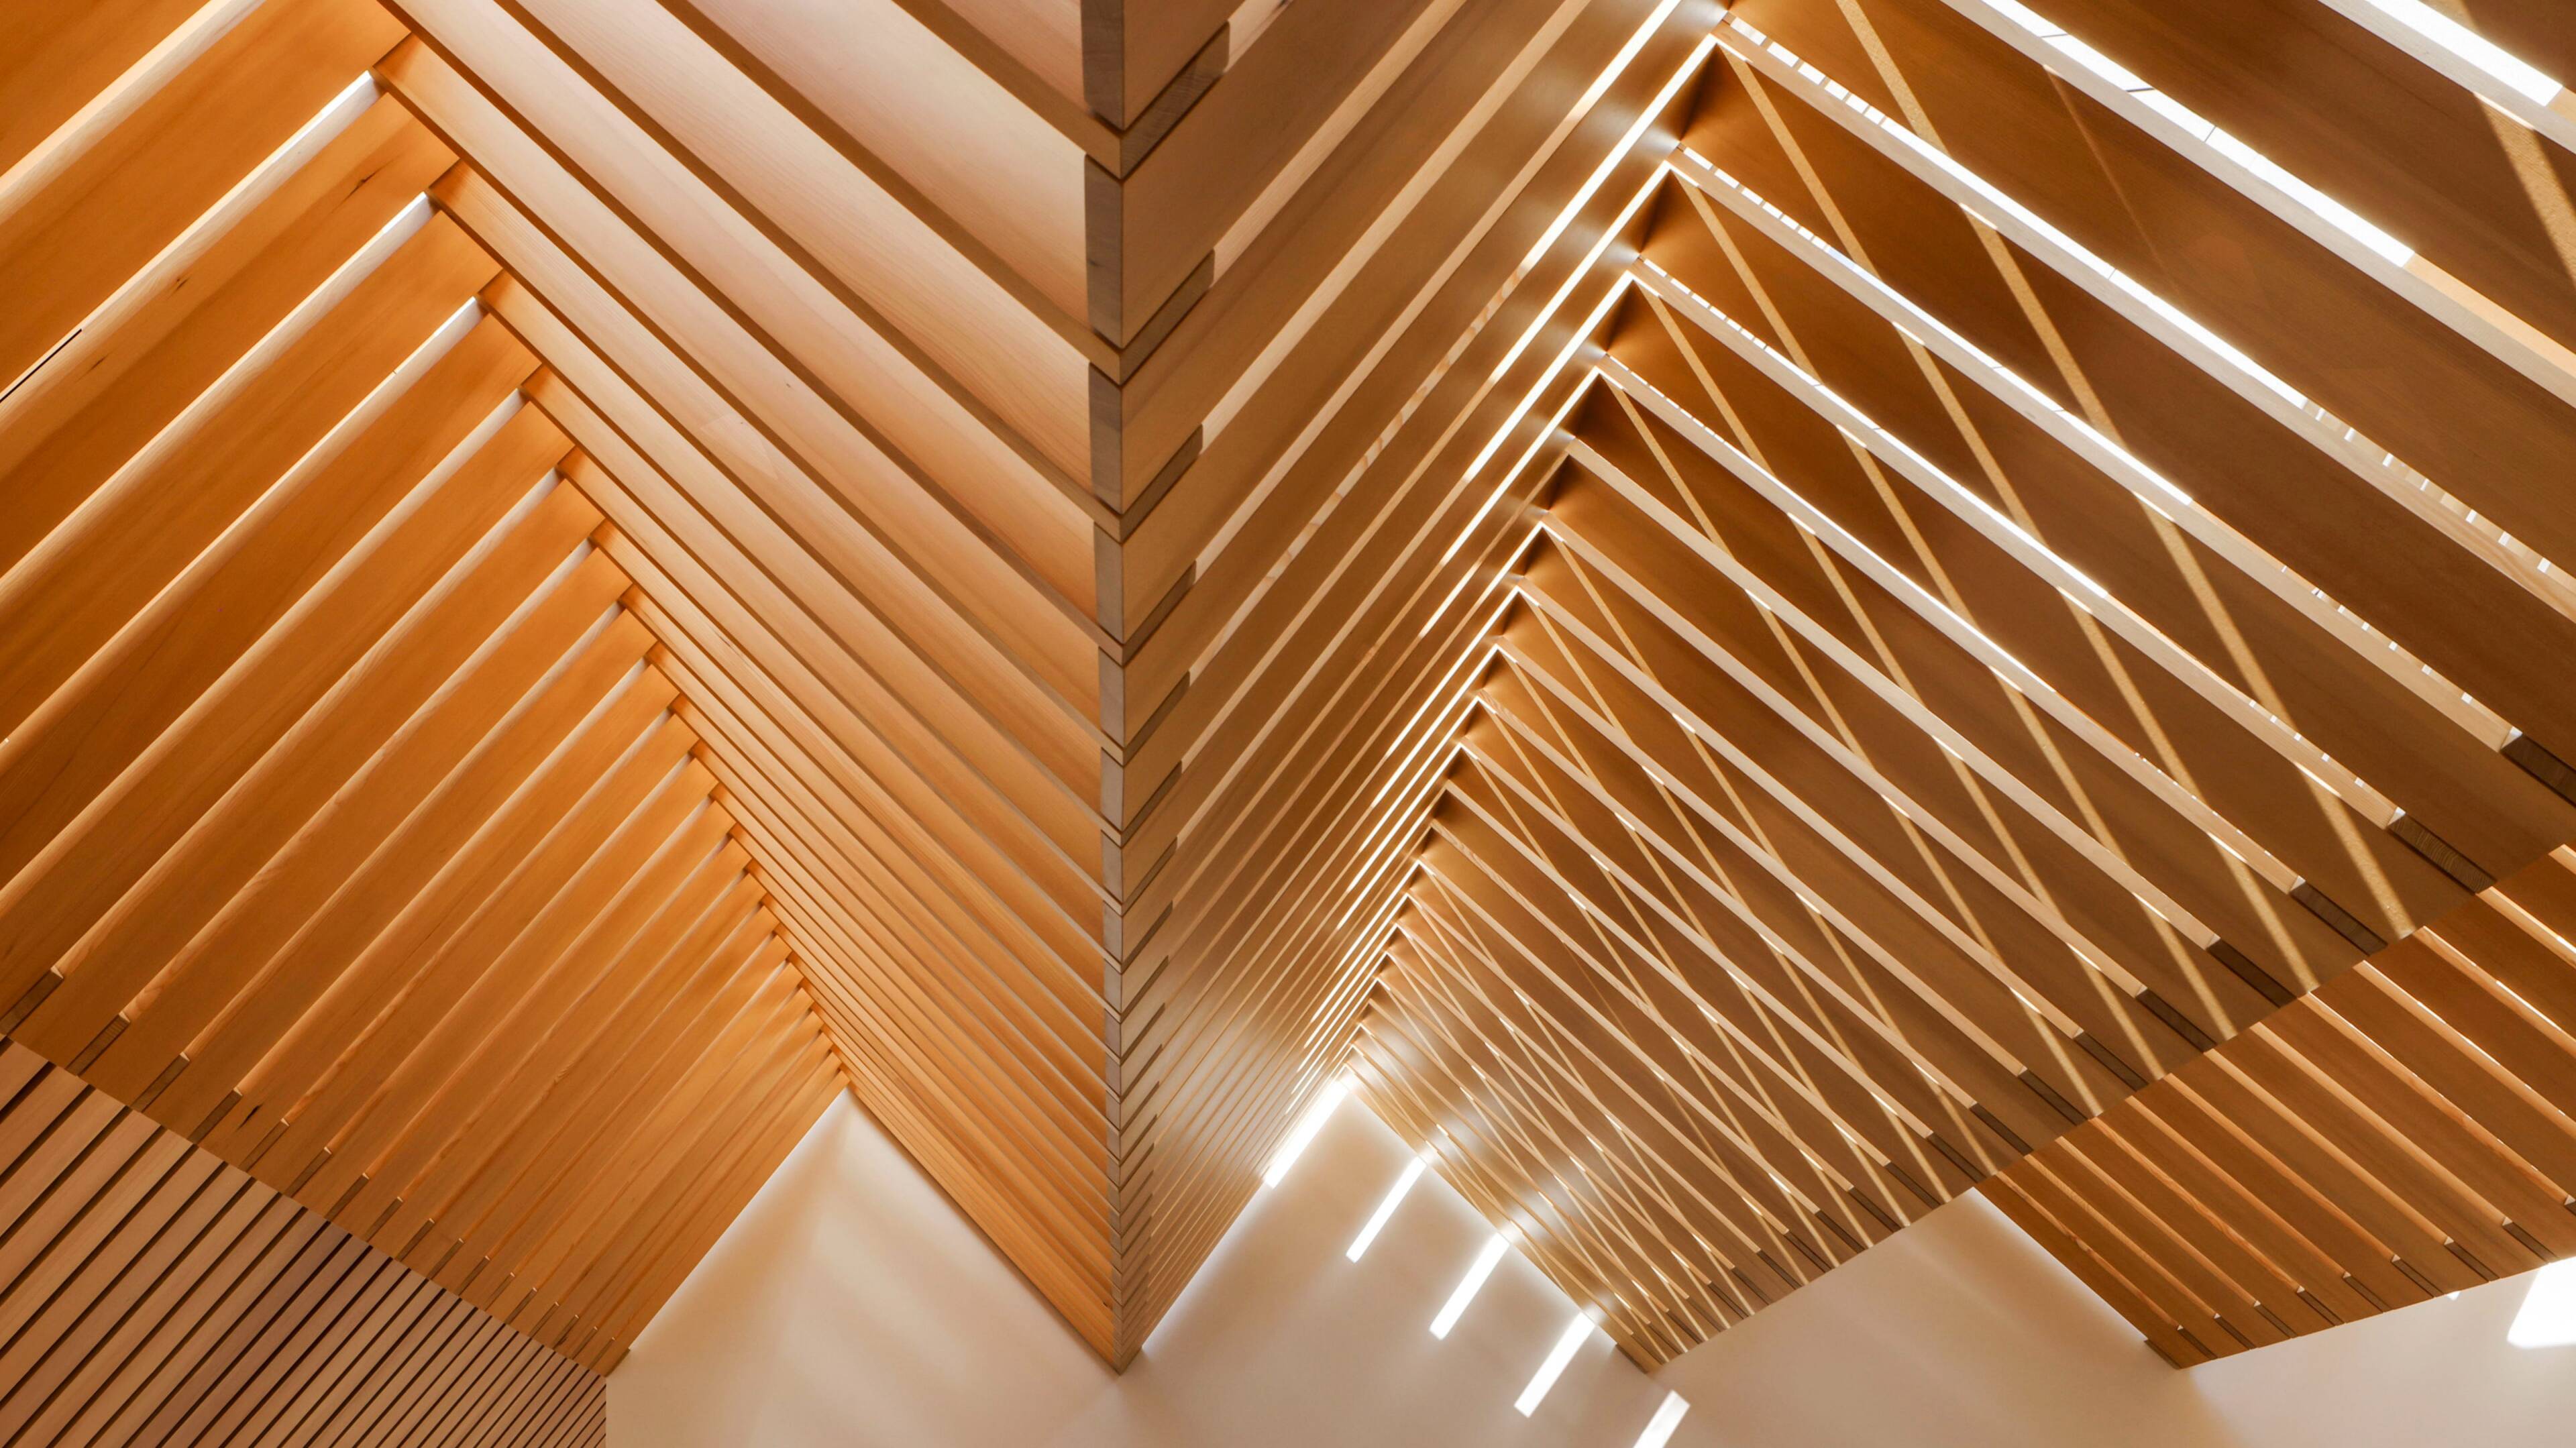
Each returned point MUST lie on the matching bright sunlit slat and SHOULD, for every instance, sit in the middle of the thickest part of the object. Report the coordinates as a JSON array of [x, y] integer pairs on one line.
[[2471, 46], [1557, 1357], [1477, 1272], [1304, 1131], [1659, 1428], [2548, 1315], [1385, 1209]]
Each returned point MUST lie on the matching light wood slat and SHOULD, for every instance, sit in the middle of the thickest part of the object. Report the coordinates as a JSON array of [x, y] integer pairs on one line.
[[159, 1293], [314, 650], [1000, 182], [80, 593], [176, 325], [2349, 1154], [2460, 1151], [559, 649], [104, 196], [579, 577], [64, 57], [354, 720]]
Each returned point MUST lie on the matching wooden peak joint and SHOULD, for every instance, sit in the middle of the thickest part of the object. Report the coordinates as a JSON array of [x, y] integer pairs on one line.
[[1693, 597]]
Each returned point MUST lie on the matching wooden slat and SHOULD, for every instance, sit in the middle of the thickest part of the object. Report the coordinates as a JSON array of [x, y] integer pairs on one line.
[[157, 1293], [1733, 812], [1757, 616], [312, 657], [2448, 1157]]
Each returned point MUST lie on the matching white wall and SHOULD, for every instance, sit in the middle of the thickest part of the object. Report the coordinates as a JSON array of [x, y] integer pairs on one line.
[[851, 1305], [1959, 1332]]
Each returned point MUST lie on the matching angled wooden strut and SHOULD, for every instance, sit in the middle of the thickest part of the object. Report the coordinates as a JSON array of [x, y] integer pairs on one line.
[[723, 548], [1986, 665], [1755, 617]]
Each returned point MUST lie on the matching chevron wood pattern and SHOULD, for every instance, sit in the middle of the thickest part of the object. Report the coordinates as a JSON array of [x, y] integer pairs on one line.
[[1755, 617], [1985, 639]]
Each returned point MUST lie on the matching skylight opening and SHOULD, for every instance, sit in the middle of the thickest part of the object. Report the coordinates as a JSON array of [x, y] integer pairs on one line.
[[1558, 1356], [1386, 1209], [1668, 1417], [1303, 1133], [2548, 1315], [1469, 1285]]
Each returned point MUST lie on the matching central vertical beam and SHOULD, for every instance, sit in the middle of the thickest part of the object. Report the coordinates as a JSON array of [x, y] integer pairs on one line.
[[1143, 73]]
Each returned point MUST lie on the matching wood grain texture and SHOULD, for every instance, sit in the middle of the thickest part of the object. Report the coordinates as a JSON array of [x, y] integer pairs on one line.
[[913, 521], [2401, 1133], [1929, 743], [157, 1294], [357, 865], [1756, 616]]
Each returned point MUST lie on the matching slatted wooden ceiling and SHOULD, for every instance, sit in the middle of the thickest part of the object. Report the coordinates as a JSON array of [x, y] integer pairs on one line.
[[585, 572], [2031, 595], [2400, 1133], [348, 831], [953, 468], [156, 1294], [1752, 615]]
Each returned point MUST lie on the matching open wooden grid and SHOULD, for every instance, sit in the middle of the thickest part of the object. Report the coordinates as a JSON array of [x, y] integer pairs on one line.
[[2024, 594]]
